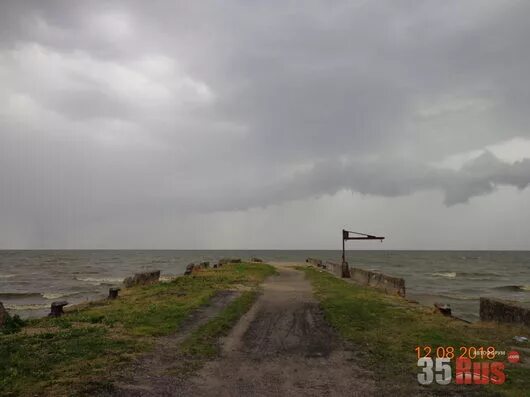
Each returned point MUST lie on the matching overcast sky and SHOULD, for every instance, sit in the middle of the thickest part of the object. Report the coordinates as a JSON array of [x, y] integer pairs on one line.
[[237, 124]]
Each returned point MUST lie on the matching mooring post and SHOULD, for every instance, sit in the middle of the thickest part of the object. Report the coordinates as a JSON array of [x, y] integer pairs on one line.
[[57, 308], [113, 292]]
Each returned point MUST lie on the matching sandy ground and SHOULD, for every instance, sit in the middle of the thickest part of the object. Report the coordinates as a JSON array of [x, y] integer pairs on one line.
[[282, 347]]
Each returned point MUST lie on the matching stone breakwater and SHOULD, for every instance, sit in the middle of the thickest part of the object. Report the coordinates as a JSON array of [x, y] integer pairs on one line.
[[490, 309], [388, 284], [314, 262], [334, 268], [142, 279], [504, 311]]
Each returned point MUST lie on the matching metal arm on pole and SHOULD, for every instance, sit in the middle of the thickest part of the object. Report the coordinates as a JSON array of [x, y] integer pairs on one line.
[[358, 236]]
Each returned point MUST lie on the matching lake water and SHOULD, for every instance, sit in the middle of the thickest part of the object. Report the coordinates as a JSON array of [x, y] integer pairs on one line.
[[31, 280]]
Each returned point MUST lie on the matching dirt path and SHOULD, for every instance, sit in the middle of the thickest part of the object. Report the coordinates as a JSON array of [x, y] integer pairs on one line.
[[282, 347]]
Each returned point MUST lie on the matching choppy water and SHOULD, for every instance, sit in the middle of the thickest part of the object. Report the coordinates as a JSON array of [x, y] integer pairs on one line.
[[31, 280]]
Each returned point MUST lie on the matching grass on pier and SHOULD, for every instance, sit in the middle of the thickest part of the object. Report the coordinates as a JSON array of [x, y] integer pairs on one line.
[[384, 331], [79, 353]]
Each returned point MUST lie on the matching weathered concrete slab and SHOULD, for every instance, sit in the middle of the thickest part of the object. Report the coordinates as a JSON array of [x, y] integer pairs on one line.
[[504, 311], [224, 261], [388, 284], [314, 262], [334, 267], [142, 279]]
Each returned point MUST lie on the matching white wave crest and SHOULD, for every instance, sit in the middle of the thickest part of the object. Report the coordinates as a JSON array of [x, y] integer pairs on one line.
[[53, 295], [100, 281], [445, 274], [11, 306]]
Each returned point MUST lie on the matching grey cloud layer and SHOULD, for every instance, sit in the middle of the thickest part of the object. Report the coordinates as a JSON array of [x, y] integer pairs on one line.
[[479, 176], [378, 178], [116, 109]]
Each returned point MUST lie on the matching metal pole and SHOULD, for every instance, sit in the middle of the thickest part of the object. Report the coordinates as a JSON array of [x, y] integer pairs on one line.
[[343, 250]]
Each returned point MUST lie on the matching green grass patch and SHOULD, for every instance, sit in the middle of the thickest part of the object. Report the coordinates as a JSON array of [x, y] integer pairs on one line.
[[83, 349], [12, 325], [55, 361], [384, 331]]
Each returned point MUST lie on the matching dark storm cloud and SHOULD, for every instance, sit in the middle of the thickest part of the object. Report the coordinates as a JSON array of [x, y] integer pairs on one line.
[[377, 178], [133, 108], [479, 176]]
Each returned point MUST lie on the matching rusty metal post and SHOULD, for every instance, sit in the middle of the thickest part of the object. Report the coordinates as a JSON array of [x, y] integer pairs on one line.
[[113, 293]]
